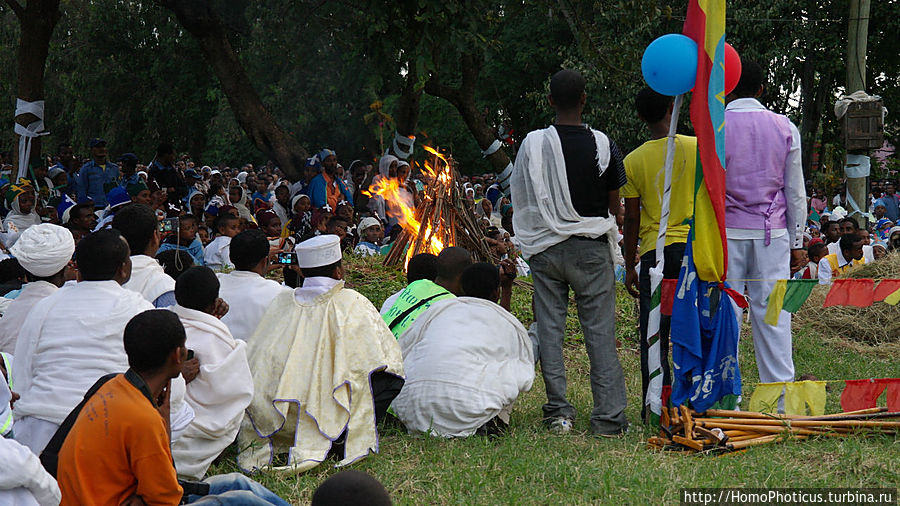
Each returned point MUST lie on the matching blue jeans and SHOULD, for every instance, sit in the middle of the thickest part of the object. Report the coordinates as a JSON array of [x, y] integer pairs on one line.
[[236, 489]]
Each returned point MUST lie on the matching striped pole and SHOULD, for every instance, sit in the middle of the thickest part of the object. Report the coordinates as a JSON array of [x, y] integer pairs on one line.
[[653, 400]]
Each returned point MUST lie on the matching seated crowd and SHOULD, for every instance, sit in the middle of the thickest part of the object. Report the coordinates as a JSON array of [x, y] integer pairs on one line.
[[146, 328]]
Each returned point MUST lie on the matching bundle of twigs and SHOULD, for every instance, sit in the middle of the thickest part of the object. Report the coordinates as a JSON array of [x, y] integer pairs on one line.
[[442, 214], [719, 430]]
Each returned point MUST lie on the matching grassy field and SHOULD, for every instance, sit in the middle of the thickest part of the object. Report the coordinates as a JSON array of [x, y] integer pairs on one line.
[[531, 466]]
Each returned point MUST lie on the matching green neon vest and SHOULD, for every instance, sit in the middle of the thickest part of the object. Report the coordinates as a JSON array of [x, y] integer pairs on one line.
[[413, 301], [6, 425]]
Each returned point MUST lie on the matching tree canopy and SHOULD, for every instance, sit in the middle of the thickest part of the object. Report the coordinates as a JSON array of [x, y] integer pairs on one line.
[[339, 75]]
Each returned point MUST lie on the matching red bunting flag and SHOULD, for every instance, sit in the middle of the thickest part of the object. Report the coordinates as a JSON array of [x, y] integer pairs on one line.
[[893, 395], [850, 292], [885, 288], [667, 296], [861, 394]]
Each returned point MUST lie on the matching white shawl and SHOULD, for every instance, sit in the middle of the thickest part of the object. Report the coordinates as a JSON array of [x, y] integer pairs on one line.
[[248, 296], [23, 480], [148, 278], [68, 341], [311, 366], [540, 189], [218, 395], [14, 315], [465, 360]]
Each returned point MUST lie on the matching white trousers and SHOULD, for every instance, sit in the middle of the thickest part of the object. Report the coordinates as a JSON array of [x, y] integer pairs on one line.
[[751, 259]]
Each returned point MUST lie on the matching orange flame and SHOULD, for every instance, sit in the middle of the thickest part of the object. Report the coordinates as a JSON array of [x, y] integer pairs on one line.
[[399, 201]]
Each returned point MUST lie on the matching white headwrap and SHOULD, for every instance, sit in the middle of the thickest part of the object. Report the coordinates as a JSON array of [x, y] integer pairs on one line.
[[384, 165], [242, 177], [44, 250]]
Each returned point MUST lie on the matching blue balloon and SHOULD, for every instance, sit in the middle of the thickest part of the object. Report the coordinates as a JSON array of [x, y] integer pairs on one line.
[[669, 64]]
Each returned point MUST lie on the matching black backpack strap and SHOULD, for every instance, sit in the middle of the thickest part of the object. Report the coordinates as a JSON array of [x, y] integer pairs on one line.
[[50, 455], [412, 308]]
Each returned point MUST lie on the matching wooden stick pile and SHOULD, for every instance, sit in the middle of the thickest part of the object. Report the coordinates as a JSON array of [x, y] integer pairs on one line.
[[719, 430], [442, 214]]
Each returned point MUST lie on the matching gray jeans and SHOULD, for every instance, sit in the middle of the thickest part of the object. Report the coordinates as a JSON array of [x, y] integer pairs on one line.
[[585, 266]]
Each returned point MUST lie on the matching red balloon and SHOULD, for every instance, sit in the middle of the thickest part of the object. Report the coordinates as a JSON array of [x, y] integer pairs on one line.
[[732, 68]]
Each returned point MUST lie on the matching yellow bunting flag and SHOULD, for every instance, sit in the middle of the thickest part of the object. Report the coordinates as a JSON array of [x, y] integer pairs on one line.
[[765, 397], [776, 301], [800, 394], [893, 298]]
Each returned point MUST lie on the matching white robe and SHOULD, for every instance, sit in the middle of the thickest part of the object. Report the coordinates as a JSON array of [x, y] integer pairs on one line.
[[311, 362], [23, 480], [148, 278], [465, 359], [218, 395], [389, 302], [15, 313], [68, 341], [217, 254], [248, 296], [544, 213]]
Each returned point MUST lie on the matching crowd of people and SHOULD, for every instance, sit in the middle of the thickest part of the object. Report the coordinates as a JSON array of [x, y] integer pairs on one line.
[[155, 313]]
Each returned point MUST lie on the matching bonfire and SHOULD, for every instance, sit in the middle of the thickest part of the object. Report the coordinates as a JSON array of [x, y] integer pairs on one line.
[[440, 220]]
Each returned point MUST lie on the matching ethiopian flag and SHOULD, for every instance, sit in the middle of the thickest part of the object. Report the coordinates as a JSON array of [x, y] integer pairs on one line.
[[705, 24], [704, 331]]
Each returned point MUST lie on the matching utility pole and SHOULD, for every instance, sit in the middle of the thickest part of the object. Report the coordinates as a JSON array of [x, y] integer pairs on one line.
[[857, 38]]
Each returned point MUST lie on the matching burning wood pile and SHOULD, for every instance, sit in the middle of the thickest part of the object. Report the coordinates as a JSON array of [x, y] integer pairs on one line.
[[717, 430], [440, 220]]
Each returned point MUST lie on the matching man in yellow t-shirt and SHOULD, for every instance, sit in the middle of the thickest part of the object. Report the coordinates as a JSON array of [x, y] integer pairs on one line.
[[643, 206]]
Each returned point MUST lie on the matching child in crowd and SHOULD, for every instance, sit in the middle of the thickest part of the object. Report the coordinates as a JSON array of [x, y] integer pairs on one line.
[[217, 256], [371, 235], [185, 238], [816, 251]]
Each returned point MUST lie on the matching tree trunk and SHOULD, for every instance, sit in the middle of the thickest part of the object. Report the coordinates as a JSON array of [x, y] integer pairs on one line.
[[407, 117], [200, 19], [37, 19], [463, 99]]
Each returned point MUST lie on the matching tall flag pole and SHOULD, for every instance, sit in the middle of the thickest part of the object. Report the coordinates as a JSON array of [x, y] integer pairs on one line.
[[704, 331], [654, 398]]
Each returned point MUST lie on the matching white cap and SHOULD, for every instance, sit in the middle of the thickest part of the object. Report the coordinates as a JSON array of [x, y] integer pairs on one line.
[[318, 251]]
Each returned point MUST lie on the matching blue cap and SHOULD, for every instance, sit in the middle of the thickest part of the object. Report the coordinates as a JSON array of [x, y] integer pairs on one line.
[[96, 141], [118, 196], [325, 153], [128, 157], [313, 162], [192, 173]]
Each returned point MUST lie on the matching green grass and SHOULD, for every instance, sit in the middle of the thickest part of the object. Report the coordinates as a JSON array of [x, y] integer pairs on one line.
[[531, 466]]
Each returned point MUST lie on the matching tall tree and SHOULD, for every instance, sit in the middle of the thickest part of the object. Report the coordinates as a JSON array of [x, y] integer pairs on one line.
[[200, 19], [37, 19]]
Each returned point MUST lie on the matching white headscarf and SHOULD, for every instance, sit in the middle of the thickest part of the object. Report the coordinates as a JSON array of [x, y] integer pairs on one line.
[[44, 250], [384, 165]]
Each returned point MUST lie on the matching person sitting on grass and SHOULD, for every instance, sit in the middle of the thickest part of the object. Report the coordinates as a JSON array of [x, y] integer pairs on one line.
[[216, 255], [221, 388], [421, 266], [117, 451], [323, 347], [185, 239], [73, 337], [815, 252], [416, 298], [466, 359], [246, 289], [138, 225]]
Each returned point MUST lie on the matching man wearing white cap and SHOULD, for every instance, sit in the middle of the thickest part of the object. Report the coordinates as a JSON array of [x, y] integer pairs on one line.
[[43, 251], [322, 358]]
